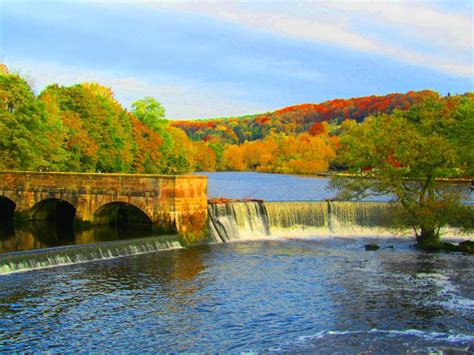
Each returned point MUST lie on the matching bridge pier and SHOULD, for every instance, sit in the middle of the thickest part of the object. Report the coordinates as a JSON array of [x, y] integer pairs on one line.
[[172, 203]]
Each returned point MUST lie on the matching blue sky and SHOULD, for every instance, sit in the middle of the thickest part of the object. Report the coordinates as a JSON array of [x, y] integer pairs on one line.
[[223, 58]]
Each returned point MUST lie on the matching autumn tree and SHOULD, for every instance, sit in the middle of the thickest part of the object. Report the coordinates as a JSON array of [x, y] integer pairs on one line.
[[98, 131], [233, 158], [176, 149], [204, 157], [404, 155], [147, 156]]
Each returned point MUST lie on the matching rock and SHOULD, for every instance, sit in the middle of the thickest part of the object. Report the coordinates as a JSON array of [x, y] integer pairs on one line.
[[371, 247], [449, 247], [467, 246]]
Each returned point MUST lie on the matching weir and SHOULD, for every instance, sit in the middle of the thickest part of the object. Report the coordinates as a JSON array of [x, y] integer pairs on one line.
[[50, 257], [253, 220], [258, 219], [232, 221]]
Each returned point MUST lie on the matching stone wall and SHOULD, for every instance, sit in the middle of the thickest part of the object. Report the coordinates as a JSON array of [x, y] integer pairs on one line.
[[176, 203]]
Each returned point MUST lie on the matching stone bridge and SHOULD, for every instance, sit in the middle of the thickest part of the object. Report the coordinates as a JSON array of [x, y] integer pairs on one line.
[[170, 203]]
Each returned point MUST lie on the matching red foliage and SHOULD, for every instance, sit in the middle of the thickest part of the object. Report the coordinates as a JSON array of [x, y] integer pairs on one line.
[[299, 118], [316, 129], [393, 161]]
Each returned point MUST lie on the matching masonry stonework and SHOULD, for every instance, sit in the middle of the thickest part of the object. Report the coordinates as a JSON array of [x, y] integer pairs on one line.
[[173, 203]]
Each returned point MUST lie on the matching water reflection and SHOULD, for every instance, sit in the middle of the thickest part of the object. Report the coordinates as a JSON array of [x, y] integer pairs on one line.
[[44, 234]]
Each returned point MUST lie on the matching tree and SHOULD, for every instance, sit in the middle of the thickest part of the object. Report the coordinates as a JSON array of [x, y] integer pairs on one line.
[[147, 156], [149, 112], [96, 129], [405, 154], [204, 158], [176, 149], [22, 125]]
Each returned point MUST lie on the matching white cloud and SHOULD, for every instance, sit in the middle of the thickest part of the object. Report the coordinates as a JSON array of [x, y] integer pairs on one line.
[[182, 100], [448, 29], [448, 34]]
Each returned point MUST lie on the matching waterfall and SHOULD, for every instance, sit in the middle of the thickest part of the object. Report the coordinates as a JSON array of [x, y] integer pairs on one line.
[[254, 220], [297, 218], [238, 220], [44, 258], [360, 218]]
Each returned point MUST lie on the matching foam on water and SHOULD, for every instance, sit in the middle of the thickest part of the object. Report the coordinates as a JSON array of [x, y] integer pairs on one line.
[[392, 339], [261, 220], [52, 257], [429, 335], [448, 291]]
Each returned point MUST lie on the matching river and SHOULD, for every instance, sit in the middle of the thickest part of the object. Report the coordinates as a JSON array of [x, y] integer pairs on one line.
[[307, 292]]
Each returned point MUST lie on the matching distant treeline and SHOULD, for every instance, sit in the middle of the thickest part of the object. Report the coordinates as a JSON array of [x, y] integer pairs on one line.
[[83, 128]]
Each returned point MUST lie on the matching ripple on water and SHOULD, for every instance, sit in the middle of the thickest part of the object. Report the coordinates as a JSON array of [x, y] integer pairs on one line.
[[409, 340], [317, 295]]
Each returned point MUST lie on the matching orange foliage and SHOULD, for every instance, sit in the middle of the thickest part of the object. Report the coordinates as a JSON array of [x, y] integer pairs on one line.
[[233, 158], [147, 156], [299, 118], [204, 158]]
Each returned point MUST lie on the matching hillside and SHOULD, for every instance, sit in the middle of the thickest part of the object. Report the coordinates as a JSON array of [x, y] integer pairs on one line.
[[298, 118], [84, 128]]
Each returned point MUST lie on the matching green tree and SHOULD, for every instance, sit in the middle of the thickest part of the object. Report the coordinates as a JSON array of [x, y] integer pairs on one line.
[[96, 129], [405, 154], [150, 112], [23, 124], [176, 149]]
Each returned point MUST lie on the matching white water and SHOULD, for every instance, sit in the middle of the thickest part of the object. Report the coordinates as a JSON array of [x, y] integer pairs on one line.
[[233, 222], [45, 258], [257, 220]]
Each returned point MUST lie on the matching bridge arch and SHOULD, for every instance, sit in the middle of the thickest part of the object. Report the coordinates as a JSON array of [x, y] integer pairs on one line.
[[7, 209], [171, 202], [120, 213], [54, 209]]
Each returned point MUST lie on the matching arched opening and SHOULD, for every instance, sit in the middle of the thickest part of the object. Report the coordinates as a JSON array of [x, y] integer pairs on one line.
[[7, 209], [54, 210], [121, 214]]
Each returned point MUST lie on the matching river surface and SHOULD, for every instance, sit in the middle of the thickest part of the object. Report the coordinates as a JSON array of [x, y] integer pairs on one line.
[[282, 187], [268, 187], [322, 294]]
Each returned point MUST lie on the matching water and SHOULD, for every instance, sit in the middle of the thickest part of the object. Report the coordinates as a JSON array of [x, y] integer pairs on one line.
[[54, 257], [281, 187], [304, 283], [44, 234], [42, 244], [268, 187], [305, 295], [254, 220]]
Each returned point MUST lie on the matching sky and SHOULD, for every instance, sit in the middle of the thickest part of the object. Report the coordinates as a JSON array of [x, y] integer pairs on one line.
[[230, 58]]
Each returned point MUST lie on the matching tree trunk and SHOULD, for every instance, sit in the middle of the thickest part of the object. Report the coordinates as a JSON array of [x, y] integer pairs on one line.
[[428, 239]]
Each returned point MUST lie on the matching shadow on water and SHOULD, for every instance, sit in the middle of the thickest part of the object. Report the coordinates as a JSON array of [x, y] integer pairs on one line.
[[51, 223], [44, 234]]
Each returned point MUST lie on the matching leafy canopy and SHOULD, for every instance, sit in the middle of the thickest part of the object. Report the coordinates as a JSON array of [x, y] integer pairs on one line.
[[149, 112], [405, 154]]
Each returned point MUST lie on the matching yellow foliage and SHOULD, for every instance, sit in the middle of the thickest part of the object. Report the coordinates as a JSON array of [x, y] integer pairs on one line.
[[295, 154], [233, 158], [204, 158]]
